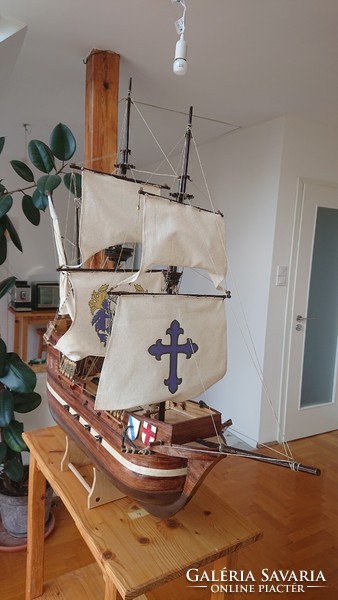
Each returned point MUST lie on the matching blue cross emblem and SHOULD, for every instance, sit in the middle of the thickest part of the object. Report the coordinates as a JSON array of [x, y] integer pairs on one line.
[[173, 349]]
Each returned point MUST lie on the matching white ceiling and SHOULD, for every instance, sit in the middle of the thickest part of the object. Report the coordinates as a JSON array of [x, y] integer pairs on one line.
[[248, 61]]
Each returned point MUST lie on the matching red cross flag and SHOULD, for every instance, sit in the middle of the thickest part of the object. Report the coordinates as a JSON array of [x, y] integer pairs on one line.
[[148, 433]]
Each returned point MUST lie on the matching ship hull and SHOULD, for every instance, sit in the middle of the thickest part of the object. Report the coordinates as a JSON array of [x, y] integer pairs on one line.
[[161, 484]]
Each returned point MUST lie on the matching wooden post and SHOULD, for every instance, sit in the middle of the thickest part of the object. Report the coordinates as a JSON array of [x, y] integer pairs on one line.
[[35, 531], [101, 115], [101, 110]]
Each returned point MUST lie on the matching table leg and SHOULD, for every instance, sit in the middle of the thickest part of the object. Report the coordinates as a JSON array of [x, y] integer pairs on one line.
[[110, 592], [36, 531], [24, 340], [230, 563], [16, 348]]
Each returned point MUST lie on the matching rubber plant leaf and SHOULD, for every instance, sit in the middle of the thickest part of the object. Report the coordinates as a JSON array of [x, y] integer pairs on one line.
[[62, 142], [2, 143], [29, 210], [3, 249], [22, 170], [2, 225], [48, 183], [18, 377], [13, 436], [13, 233], [39, 200], [5, 204], [24, 403], [41, 156], [3, 452], [5, 286], [14, 470], [6, 407], [73, 183], [3, 357]]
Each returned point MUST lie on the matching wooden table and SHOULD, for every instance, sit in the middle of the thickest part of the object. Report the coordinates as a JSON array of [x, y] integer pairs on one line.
[[134, 551], [24, 318]]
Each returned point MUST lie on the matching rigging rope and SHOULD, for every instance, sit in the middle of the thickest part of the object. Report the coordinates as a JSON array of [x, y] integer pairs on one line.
[[250, 346]]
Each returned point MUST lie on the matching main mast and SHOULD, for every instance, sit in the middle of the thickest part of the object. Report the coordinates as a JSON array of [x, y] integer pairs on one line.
[[119, 254], [124, 165], [173, 276]]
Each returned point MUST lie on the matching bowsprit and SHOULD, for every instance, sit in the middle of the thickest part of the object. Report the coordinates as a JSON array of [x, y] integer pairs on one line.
[[173, 349]]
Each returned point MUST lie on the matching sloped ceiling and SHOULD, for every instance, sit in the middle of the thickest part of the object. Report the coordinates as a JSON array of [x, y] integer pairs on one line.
[[12, 34], [249, 61]]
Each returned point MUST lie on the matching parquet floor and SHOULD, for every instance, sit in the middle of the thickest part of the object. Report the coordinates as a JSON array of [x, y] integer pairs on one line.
[[297, 513]]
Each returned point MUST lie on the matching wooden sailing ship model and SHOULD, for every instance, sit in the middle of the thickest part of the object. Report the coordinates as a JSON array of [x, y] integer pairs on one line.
[[128, 352]]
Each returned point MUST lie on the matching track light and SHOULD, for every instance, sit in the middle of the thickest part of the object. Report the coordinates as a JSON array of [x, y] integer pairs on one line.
[[180, 65]]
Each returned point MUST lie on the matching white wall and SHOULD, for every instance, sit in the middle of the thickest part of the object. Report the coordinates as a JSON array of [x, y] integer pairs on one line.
[[253, 176], [242, 171], [310, 150]]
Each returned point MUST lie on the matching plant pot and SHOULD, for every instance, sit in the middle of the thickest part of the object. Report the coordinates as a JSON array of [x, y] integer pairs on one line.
[[13, 510]]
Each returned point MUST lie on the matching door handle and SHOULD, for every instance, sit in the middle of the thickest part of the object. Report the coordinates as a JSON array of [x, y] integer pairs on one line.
[[299, 318]]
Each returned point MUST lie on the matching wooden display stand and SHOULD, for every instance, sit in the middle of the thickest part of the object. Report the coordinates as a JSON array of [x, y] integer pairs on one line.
[[134, 552], [22, 320]]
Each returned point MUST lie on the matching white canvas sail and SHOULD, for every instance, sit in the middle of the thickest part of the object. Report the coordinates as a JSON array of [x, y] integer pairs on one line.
[[178, 345], [66, 298], [60, 252], [90, 330], [110, 212], [182, 235]]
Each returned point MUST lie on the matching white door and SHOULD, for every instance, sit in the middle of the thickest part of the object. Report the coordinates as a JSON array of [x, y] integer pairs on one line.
[[311, 390]]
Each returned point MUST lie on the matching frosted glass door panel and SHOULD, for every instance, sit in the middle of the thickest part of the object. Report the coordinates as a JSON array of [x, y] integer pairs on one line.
[[320, 352]]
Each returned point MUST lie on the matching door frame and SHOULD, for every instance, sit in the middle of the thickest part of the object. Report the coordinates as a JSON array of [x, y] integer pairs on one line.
[[289, 313]]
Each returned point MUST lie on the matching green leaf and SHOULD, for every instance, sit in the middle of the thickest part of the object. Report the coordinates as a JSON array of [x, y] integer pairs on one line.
[[29, 210], [2, 225], [41, 156], [3, 357], [5, 204], [14, 469], [6, 407], [13, 233], [6, 285], [13, 436], [18, 377], [2, 143], [3, 452], [22, 170], [24, 403], [39, 200], [3, 249], [48, 183], [73, 183], [62, 142]]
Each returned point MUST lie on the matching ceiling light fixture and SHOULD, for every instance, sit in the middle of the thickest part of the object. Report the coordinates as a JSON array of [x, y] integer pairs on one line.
[[180, 65]]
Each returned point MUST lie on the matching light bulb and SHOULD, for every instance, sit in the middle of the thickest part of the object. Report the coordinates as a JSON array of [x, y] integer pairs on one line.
[[180, 65]]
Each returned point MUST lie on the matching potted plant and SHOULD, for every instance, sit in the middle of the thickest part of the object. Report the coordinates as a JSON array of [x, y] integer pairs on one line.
[[17, 395], [17, 379]]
